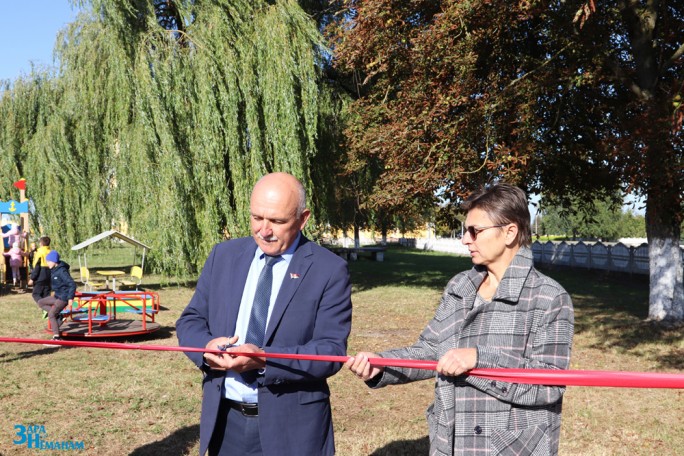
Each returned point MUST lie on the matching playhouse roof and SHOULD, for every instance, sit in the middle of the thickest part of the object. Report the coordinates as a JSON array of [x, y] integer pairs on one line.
[[106, 234]]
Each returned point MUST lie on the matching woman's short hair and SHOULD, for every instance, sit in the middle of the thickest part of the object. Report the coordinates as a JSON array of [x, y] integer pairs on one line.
[[504, 204]]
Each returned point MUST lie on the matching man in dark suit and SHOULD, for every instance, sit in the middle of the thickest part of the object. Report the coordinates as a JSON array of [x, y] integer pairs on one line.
[[269, 406]]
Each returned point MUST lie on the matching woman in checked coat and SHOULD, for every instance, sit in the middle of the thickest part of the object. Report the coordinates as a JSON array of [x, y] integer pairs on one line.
[[502, 313]]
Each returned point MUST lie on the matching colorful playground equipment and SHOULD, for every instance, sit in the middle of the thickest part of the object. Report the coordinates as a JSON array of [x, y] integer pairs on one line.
[[104, 235], [14, 226], [97, 314]]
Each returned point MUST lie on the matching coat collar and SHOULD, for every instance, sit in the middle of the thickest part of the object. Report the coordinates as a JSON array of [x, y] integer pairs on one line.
[[511, 285]]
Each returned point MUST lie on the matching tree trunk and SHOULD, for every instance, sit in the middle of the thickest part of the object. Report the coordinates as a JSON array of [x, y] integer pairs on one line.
[[663, 181], [666, 294]]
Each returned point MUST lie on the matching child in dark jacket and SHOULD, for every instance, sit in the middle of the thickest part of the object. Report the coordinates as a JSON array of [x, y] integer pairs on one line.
[[40, 274], [64, 289]]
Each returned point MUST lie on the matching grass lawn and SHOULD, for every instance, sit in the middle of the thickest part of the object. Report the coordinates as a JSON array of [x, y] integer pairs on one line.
[[121, 402]]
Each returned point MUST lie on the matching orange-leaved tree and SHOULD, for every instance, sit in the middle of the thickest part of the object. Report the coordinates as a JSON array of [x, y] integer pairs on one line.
[[573, 99]]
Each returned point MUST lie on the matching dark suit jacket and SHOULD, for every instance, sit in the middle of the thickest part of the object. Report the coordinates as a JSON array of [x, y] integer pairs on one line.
[[311, 315]]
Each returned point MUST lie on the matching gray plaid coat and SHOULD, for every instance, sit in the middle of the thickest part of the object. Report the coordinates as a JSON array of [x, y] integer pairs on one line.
[[528, 324]]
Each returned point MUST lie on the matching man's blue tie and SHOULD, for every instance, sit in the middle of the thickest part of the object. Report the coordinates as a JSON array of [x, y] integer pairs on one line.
[[257, 319], [262, 299]]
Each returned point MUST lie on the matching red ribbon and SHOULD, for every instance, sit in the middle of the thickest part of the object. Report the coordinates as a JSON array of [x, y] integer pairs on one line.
[[613, 379]]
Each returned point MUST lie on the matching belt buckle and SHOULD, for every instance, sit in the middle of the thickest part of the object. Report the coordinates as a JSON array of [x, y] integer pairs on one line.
[[249, 409]]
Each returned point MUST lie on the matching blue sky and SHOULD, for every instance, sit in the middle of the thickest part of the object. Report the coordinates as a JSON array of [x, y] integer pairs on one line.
[[28, 33]]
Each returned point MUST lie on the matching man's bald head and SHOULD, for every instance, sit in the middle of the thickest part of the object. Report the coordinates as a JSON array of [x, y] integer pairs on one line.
[[278, 212], [285, 182]]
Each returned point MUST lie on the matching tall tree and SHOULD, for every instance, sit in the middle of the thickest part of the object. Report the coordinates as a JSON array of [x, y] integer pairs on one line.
[[162, 116], [575, 98]]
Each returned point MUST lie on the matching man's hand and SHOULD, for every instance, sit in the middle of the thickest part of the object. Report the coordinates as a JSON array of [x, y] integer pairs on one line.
[[361, 366], [232, 362], [457, 361]]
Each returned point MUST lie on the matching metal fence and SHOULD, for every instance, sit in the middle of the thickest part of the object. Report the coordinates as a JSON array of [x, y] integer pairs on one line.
[[589, 255], [610, 257]]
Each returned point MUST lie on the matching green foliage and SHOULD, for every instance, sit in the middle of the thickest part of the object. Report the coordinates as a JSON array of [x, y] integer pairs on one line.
[[603, 220], [448, 220], [162, 133]]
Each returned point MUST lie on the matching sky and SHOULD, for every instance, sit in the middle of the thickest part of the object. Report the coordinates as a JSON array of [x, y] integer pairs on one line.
[[28, 33]]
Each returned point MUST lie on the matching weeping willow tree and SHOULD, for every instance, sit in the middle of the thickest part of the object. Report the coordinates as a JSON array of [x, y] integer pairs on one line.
[[163, 115]]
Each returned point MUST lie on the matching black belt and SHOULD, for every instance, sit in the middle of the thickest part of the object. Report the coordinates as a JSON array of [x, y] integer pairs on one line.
[[246, 408]]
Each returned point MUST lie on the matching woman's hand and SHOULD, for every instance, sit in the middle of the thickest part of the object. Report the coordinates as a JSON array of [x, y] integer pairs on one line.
[[361, 366], [457, 361]]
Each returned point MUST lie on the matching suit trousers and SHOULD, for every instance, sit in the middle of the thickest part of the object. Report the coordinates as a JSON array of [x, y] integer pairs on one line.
[[235, 434]]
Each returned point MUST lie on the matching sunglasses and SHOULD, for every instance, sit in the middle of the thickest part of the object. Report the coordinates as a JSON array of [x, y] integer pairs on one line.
[[473, 231]]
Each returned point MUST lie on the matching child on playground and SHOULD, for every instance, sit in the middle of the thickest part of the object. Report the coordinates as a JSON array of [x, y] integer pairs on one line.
[[13, 235], [40, 274], [16, 256], [63, 286]]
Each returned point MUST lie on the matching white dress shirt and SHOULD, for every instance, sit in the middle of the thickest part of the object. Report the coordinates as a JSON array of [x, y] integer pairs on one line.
[[234, 386]]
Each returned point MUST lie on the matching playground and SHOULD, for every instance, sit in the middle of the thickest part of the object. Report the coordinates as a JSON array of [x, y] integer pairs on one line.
[[100, 309], [99, 314], [103, 313], [94, 313]]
